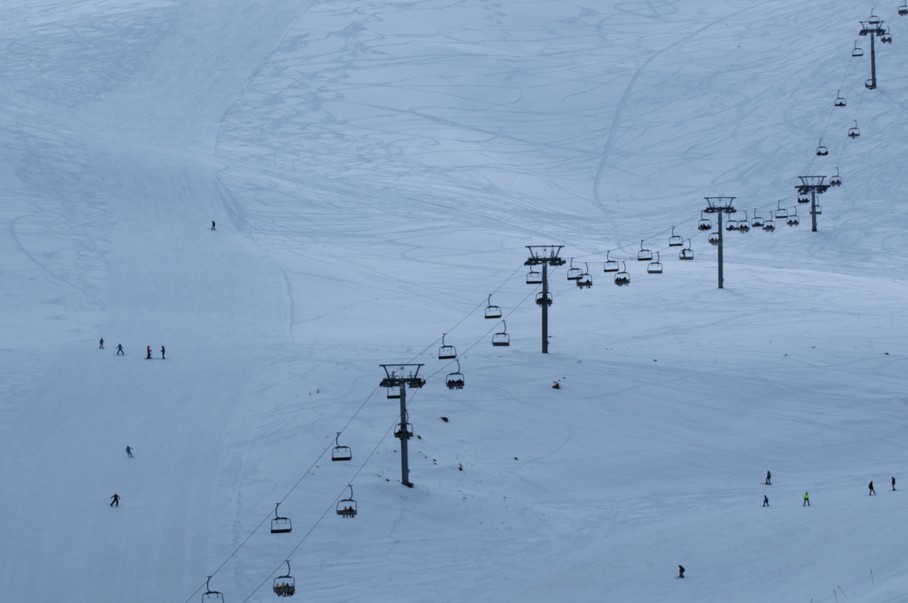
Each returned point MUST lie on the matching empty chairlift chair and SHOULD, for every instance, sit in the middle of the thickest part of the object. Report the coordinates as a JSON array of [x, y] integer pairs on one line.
[[211, 596], [655, 267], [586, 280], [346, 507], [854, 131], [285, 586], [839, 99], [393, 393], [781, 212], [573, 273], [492, 311], [280, 525], [857, 51], [704, 224], [644, 255], [817, 209], [446, 352], [822, 150], [610, 265], [687, 253], [502, 339], [534, 277], [455, 380], [675, 240], [340, 452], [623, 278]]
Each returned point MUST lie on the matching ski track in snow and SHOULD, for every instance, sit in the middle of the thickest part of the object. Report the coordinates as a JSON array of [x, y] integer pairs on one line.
[[375, 170]]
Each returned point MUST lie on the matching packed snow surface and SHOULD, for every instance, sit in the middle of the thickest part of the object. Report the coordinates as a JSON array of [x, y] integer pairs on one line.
[[375, 170]]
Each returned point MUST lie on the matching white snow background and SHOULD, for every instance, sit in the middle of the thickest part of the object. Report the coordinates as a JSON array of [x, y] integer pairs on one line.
[[376, 169]]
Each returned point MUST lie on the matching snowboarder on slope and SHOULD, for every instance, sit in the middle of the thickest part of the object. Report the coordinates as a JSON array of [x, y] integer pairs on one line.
[[148, 353], [129, 451], [806, 500], [162, 352], [872, 492], [765, 501], [101, 344], [768, 481], [115, 500], [680, 571], [120, 351]]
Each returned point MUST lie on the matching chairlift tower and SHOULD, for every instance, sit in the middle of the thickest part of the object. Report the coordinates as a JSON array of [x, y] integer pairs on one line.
[[720, 206], [814, 185], [403, 376], [545, 255], [873, 27]]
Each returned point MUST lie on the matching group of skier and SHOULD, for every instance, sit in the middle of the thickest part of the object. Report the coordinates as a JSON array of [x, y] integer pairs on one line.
[[870, 488], [120, 351]]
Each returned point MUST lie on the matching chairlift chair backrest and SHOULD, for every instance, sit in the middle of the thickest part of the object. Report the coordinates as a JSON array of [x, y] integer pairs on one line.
[[857, 51], [534, 277], [340, 452], [655, 267], [211, 596], [675, 240], [502, 339], [280, 525], [781, 212], [573, 273], [644, 255]]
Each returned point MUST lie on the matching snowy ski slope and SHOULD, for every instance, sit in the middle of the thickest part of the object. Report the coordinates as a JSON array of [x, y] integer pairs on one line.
[[375, 170]]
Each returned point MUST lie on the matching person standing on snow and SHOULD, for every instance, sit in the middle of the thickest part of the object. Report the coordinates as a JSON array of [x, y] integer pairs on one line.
[[212, 225], [871, 492], [115, 500], [120, 351], [101, 344], [806, 500], [768, 481], [129, 451], [162, 352], [680, 571], [893, 484], [148, 353], [765, 501]]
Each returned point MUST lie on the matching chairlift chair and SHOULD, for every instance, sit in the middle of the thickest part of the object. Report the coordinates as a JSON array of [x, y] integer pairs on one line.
[[492, 311], [280, 525], [675, 240], [836, 179], [586, 280], [817, 209], [211, 596], [757, 221], [502, 339], [622, 278], [534, 277], [340, 452], [886, 38], [403, 432], [854, 131], [393, 393], [822, 150], [285, 586], [793, 219], [573, 273], [839, 99], [655, 267], [446, 352], [857, 51], [731, 225], [687, 253], [610, 265], [781, 212], [455, 380], [548, 298], [704, 223], [744, 225], [644, 255], [713, 238], [903, 9], [346, 507], [769, 225], [803, 199]]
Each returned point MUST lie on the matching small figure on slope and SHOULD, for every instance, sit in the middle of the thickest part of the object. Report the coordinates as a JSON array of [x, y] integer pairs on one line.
[[120, 351], [680, 571], [129, 451], [115, 500], [148, 353], [768, 481], [806, 500], [212, 225], [893, 484], [765, 501], [101, 344], [162, 352], [871, 491]]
